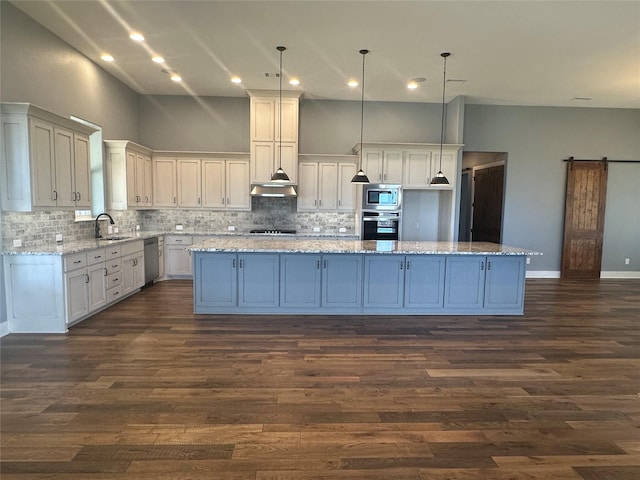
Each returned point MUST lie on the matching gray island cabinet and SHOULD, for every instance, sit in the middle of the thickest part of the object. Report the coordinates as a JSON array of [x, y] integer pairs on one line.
[[268, 275]]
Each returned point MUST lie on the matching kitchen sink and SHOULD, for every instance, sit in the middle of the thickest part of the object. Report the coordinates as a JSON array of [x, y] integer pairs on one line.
[[115, 238]]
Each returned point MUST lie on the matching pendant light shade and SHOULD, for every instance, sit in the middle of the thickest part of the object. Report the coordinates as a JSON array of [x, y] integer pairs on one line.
[[361, 177], [280, 175], [439, 178]]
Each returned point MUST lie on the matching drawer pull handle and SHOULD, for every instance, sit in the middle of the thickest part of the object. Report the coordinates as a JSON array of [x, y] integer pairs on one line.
[[77, 261]]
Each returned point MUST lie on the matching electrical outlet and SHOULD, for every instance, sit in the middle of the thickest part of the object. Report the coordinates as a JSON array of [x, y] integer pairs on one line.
[[528, 260], [627, 261], [17, 243], [116, 230], [231, 228], [110, 229], [137, 228], [342, 230], [316, 229], [179, 227], [58, 237]]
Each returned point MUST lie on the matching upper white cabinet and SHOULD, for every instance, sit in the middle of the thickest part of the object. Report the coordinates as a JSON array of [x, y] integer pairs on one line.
[[45, 160], [410, 165], [129, 175], [210, 182], [271, 148], [325, 183]]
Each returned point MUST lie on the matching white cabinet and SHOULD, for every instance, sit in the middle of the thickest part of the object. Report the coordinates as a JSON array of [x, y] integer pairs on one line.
[[382, 166], [225, 184], [129, 175], [177, 258], [45, 160], [189, 183], [420, 166], [326, 185], [271, 148], [132, 266], [165, 181]]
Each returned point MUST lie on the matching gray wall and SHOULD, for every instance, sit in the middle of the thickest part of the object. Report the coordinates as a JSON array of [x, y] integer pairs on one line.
[[536, 140], [38, 67]]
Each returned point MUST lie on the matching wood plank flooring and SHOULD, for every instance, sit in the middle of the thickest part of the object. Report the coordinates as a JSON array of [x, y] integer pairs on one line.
[[148, 390]]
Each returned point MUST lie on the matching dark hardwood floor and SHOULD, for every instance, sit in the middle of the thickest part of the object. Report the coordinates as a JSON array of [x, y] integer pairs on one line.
[[147, 390]]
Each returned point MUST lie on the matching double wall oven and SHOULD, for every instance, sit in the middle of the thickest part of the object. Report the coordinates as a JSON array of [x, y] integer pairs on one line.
[[381, 210]]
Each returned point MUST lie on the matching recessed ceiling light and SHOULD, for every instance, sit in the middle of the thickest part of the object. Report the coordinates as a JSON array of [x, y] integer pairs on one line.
[[138, 37], [294, 81], [236, 80], [157, 59], [353, 83], [107, 58], [412, 85], [176, 78]]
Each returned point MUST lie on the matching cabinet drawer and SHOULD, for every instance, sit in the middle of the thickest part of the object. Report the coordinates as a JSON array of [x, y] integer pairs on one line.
[[77, 260], [96, 256], [114, 293], [114, 265], [132, 247], [113, 252], [114, 279], [179, 240]]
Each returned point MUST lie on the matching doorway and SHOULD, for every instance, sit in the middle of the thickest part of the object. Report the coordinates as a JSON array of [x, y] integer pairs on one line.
[[482, 201]]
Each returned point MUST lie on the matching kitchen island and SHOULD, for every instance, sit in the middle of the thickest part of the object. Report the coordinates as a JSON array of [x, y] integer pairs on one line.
[[275, 275]]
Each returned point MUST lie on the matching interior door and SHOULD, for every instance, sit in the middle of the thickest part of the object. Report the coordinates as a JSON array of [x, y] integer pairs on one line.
[[584, 219], [488, 193]]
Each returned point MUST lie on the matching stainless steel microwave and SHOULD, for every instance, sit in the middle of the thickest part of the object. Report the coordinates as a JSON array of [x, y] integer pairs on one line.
[[377, 196]]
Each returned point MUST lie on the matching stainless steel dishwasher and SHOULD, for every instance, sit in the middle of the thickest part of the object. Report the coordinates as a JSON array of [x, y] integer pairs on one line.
[[151, 270]]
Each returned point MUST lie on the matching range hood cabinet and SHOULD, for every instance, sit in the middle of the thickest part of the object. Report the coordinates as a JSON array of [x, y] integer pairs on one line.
[[273, 190]]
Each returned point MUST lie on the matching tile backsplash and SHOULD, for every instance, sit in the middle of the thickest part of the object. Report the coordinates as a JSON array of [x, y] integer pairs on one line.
[[37, 229]]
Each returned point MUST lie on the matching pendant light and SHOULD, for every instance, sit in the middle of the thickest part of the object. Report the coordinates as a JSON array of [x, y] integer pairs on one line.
[[361, 177], [439, 178], [280, 175]]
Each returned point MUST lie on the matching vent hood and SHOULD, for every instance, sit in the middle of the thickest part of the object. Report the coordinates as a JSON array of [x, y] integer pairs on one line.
[[273, 190]]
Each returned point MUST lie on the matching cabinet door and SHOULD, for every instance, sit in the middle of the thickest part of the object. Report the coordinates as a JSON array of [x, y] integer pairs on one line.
[[216, 279], [213, 184], [449, 168], [237, 185], [42, 164], [77, 294], [261, 161], [308, 186], [289, 160], [392, 167], [178, 261], [464, 282], [289, 120], [81, 171], [328, 186], [63, 142], [383, 281], [138, 270], [300, 280], [133, 195], [342, 280], [346, 189], [504, 284], [128, 274], [417, 169], [262, 120], [424, 281], [146, 181], [164, 182], [97, 286], [258, 280], [189, 183], [372, 165]]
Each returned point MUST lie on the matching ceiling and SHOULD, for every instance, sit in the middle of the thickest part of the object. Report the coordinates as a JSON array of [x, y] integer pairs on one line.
[[547, 53]]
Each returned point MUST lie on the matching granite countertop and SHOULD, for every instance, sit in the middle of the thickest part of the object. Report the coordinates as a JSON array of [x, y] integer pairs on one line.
[[277, 245], [67, 248]]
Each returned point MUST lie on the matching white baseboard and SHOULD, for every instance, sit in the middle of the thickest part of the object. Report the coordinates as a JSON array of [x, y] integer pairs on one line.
[[543, 274], [623, 274], [4, 329]]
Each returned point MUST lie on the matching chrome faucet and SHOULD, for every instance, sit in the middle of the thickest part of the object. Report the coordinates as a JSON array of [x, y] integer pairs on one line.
[[98, 226]]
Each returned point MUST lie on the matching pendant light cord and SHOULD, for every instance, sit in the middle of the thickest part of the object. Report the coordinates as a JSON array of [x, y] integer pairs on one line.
[[363, 52], [444, 86], [280, 113]]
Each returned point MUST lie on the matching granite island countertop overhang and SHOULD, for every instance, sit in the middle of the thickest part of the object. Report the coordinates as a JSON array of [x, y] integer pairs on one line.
[[295, 245]]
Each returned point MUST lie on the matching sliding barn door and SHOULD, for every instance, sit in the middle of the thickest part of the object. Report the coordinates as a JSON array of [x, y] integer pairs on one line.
[[584, 219]]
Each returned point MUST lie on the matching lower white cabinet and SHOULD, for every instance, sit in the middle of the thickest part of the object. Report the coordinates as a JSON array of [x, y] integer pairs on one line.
[[132, 266], [177, 258], [77, 294]]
